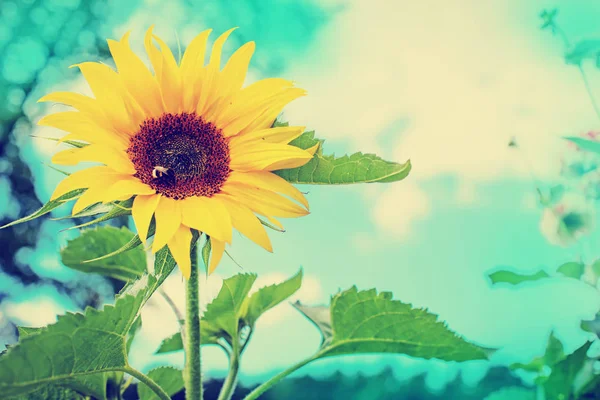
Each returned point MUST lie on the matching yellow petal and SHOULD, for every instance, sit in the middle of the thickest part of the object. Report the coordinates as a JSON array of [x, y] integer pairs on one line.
[[281, 134], [169, 79], [88, 106], [137, 78], [211, 81], [263, 202], [246, 222], [261, 111], [192, 70], [180, 246], [248, 97], [168, 220], [264, 156], [77, 123], [111, 94], [207, 214], [234, 72], [128, 186], [153, 53], [75, 100], [142, 211], [268, 181], [104, 154], [84, 179], [217, 248], [275, 107]]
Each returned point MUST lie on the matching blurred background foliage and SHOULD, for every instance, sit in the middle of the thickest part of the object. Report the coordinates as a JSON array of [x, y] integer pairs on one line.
[[40, 39]]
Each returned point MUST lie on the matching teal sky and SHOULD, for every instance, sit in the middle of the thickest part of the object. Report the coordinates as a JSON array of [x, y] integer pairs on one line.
[[446, 87]]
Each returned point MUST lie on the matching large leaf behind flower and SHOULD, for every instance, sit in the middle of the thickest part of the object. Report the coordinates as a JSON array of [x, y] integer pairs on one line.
[[368, 322], [97, 242], [331, 170], [80, 345]]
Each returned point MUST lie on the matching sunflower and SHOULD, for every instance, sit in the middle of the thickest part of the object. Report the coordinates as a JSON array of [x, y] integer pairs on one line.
[[194, 148]]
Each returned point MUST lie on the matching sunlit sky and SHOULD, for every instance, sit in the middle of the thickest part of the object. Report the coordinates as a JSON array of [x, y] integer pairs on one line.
[[446, 87]]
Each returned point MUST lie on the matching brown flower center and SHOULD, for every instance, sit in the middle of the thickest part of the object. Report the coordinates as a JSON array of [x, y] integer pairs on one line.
[[180, 155]]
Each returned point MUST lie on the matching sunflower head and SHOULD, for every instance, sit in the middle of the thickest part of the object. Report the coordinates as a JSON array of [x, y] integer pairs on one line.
[[185, 139]]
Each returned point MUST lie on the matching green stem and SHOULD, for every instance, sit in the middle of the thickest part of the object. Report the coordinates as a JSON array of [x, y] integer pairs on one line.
[[277, 378], [232, 376], [148, 382], [192, 373], [589, 90], [586, 82]]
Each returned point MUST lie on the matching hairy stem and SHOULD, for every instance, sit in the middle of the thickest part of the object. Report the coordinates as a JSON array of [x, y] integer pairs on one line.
[[193, 372], [277, 378], [148, 382]]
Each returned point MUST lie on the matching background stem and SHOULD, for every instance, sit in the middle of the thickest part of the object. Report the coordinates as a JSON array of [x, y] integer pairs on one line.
[[192, 373], [277, 378], [232, 376]]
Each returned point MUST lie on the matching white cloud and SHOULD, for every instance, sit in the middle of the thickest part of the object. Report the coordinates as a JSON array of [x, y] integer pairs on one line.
[[36, 312], [466, 76], [399, 206]]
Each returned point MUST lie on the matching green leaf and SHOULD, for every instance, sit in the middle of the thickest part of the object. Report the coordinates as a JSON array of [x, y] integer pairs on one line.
[[268, 297], [69, 142], [329, 170], [222, 315], [173, 343], [98, 242], [50, 392], [271, 226], [513, 278], [81, 345], [26, 331], [554, 353], [560, 383], [74, 347], [135, 327], [582, 50], [585, 144], [206, 252], [48, 207], [118, 209], [233, 309], [571, 270], [170, 379], [130, 245], [512, 393], [367, 322], [320, 317], [89, 211]]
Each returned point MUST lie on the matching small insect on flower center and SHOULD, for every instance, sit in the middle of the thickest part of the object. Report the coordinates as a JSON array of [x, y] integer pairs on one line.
[[180, 155]]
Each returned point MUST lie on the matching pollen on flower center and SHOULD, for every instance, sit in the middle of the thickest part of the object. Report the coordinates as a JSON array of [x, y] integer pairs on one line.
[[180, 155]]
